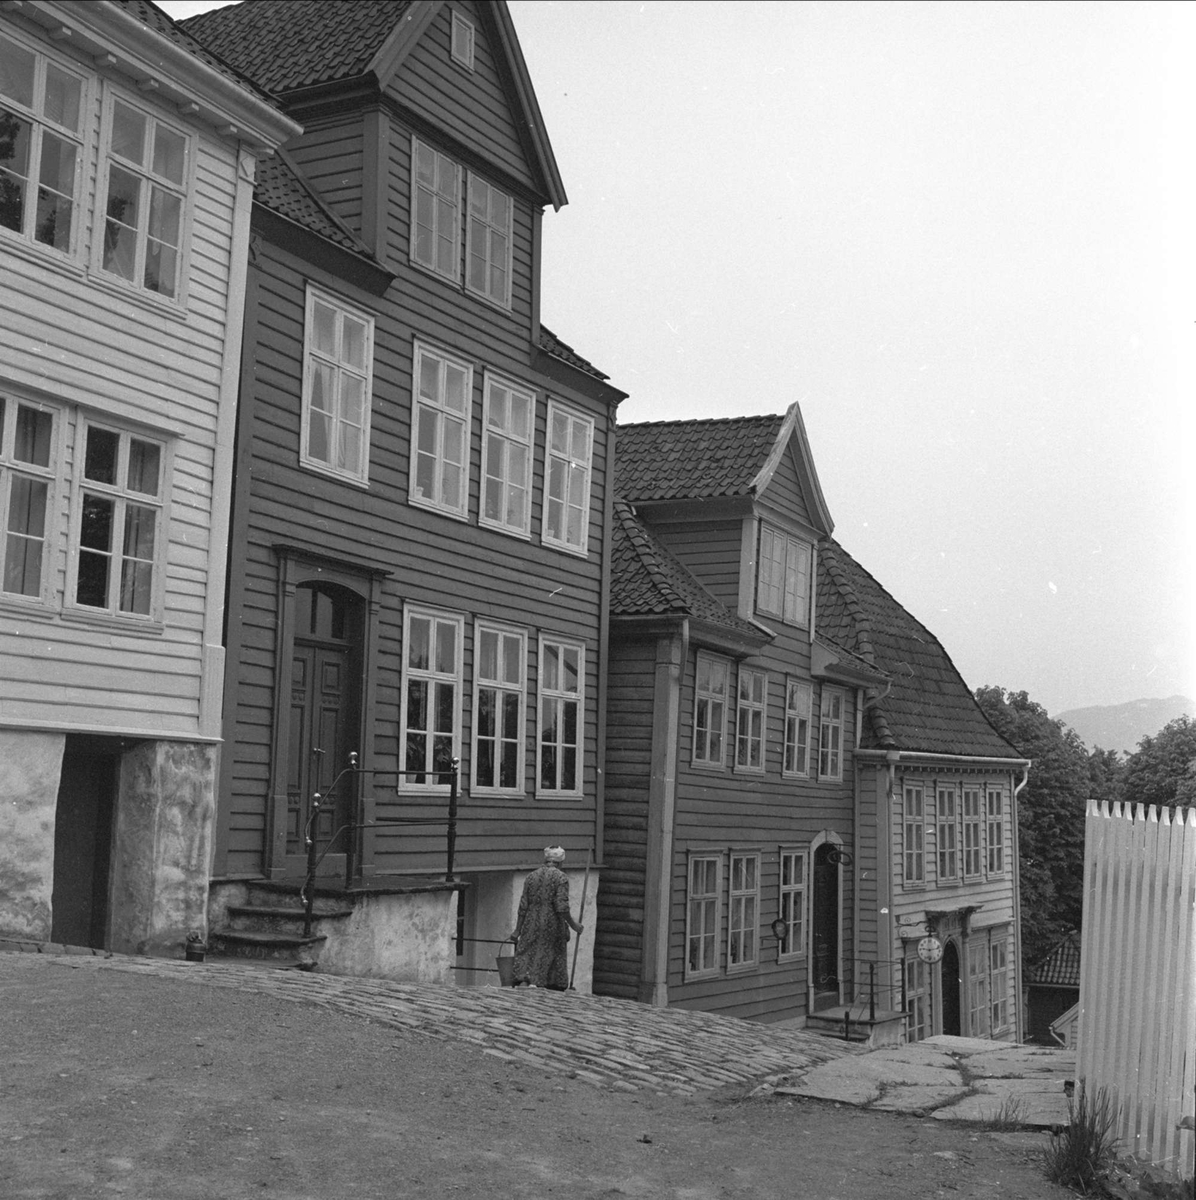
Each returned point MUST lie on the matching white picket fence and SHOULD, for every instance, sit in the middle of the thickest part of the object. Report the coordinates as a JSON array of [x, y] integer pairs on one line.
[[1137, 1028]]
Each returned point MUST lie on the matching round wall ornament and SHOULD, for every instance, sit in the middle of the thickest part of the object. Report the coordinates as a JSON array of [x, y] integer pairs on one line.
[[930, 949]]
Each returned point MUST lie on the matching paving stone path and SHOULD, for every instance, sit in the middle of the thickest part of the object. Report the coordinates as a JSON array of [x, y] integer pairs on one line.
[[615, 1044]]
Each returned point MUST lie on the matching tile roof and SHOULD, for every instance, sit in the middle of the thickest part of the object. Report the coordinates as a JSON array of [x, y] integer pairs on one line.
[[693, 460], [551, 344], [1060, 968], [929, 707], [300, 43], [282, 189], [647, 580]]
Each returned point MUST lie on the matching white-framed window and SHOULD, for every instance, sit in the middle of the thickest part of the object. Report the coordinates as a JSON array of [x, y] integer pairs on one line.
[[947, 831], [488, 242], [508, 423], [917, 999], [998, 983], [996, 831], [973, 823], [794, 865], [830, 736], [441, 390], [561, 676], [29, 434], [338, 371], [568, 462], [41, 147], [462, 41], [499, 700], [978, 1010], [436, 211], [145, 199], [430, 716], [799, 703], [750, 713], [117, 531], [701, 915], [914, 841], [711, 687], [783, 577], [743, 919]]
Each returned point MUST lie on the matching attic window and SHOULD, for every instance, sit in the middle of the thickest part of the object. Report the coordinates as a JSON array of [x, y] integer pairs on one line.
[[462, 47]]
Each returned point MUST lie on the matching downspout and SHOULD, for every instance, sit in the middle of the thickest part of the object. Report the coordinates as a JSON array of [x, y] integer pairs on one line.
[[608, 519], [1019, 1023]]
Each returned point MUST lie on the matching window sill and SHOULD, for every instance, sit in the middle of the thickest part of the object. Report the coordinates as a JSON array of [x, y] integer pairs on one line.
[[428, 506], [573, 796], [564, 547], [107, 620], [175, 310], [743, 968], [489, 301], [710, 768], [41, 255], [524, 535], [318, 468]]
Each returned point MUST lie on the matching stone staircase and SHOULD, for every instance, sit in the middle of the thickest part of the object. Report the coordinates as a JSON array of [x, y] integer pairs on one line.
[[267, 928], [851, 1022]]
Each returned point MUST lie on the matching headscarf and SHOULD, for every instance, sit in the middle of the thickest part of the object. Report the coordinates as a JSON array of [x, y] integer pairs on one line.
[[554, 854]]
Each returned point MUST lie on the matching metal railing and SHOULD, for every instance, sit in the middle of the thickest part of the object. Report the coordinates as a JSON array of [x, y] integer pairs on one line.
[[868, 991]]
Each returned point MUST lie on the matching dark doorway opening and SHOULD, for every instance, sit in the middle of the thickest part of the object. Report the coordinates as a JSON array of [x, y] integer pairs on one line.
[[951, 988], [824, 927], [83, 841]]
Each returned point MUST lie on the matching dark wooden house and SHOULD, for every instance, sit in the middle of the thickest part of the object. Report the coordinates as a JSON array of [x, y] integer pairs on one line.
[[421, 515]]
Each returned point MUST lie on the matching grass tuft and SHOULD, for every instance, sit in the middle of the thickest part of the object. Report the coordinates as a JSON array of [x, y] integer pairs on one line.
[[1082, 1154]]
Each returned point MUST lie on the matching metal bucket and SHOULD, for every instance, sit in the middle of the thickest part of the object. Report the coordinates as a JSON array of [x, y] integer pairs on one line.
[[506, 968]]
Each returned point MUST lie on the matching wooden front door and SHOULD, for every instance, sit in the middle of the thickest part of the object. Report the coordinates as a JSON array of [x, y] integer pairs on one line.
[[824, 928], [324, 726]]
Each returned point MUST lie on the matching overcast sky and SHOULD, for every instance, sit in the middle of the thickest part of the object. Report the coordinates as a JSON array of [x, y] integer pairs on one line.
[[961, 236]]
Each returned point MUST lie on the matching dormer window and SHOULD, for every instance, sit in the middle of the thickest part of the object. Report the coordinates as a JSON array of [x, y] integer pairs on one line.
[[462, 41], [783, 577]]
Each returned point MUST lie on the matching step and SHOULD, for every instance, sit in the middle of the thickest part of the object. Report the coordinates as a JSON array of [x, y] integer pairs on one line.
[[256, 944], [269, 918]]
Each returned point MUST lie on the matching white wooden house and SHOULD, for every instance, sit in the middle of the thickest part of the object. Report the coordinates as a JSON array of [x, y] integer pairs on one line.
[[127, 159]]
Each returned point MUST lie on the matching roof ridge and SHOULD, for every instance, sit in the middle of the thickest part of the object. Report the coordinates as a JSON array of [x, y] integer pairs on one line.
[[695, 421]]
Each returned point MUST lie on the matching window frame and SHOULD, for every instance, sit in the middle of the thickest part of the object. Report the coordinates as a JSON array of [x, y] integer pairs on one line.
[[492, 435], [754, 712], [184, 192], [560, 697], [463, 58], [12, 468], [501, 687], [705, 737], [995, 831], [439, 191], [979, 1010], [946, 842], [998, 985], [830, 759], [476, 225], [121, 496], [312, 356], [913, 837], [919, 1017], [570, 466], [459, 510], [792, 901], [743, 912], [795, 716], [973, 830], [34, 114], [709, 904], [432, 677], [779, 574]]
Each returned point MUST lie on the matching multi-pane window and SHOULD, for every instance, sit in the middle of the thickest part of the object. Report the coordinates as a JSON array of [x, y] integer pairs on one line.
[[996, 832], [947, 835], [144, 200], [793, 902], [28, 434], [117, 533], [749, 720], [338, 357], [798, 705], [830, 738], [917, 1000], [40, 147], [978, 1010], [431, 691], [743, 909], [561, 673], [507, 425], [488, 242], [783, 578], [436, 219], [998, 982], [710, 709], [569, 456], [701, 916], [973, 821], [440, 443], [915, 836], [498, 721], [461, 46]]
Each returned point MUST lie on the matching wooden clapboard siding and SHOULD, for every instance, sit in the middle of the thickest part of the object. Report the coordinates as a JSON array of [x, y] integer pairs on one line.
[[711, 550], [330, 151], [470, 106], [784, 493]]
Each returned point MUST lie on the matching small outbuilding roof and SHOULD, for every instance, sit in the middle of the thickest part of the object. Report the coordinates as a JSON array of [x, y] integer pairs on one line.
[[1060, 968]]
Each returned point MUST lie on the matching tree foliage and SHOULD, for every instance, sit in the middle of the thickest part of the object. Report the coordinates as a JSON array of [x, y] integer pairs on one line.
[[1050, 814], [1162, 770]]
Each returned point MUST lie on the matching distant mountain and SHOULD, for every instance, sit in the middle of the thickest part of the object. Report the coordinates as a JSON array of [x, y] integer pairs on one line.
[[1123, 726]]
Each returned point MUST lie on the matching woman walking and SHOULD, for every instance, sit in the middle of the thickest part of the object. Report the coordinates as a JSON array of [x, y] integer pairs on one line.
[[541, 935]]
